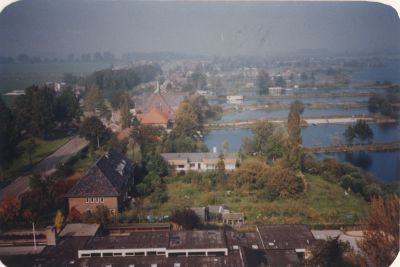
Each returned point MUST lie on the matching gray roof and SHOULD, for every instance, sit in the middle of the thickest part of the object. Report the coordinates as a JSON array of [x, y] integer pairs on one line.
[[285, 236], [107, 177], [80, 229]]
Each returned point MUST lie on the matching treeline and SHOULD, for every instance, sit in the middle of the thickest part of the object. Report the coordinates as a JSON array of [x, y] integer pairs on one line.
[[387, 104], [105, 57], [113, 83], [37, 113]]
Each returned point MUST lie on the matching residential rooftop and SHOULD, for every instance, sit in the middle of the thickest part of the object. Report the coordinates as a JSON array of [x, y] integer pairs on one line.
[[106, 177]]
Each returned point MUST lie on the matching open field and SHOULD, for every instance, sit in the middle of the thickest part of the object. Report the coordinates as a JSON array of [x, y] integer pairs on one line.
[[17, 76], [323, 203]]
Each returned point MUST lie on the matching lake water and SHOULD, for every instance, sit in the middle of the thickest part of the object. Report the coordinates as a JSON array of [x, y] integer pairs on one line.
[[384, 165], [389, 72], [276, 114]]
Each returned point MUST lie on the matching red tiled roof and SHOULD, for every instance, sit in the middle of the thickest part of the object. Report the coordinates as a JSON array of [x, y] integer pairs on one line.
[[154, 116], [124, 133]]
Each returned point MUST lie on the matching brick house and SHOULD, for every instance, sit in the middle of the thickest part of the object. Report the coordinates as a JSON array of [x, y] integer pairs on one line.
[[105, 183]]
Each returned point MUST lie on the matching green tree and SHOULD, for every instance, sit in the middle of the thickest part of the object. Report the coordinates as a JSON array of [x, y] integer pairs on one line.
[[267, 142], [126, 115], [252, 174], [186, 120], [148, 137], [66, 107], [284, 182], [94, 131], [293, 143], [34, 111], [186, 218], [156, 163], [360, 130], [264, 82], [94, 100], [8, 137], [330, 253]]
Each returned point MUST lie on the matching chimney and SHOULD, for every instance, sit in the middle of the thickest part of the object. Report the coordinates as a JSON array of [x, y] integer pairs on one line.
[[51, 236]]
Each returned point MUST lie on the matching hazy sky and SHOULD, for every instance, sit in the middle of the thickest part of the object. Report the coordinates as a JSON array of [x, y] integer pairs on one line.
[[59, 27]]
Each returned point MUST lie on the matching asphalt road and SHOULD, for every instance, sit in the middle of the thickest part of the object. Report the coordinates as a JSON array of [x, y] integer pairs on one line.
[[21, 184]]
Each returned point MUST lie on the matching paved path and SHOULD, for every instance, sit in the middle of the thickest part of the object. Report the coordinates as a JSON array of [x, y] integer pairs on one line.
[[21, 184]]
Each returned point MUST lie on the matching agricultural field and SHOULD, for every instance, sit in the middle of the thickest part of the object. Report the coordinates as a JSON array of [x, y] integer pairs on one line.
[[17, 76]]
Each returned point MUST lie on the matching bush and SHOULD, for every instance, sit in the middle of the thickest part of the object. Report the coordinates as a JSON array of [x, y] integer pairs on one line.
[[186, 218], [269, 193], [372, 191], [311, 165]]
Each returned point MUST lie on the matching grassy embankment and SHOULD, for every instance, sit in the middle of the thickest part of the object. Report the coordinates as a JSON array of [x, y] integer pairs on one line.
[[323, 203], [22, 163]]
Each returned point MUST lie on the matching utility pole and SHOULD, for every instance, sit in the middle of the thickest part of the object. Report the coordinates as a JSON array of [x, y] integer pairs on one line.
[[34, 236]]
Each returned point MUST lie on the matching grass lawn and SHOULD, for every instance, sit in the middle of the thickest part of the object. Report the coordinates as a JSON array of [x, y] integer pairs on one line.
[[22, 162], [323, 203]]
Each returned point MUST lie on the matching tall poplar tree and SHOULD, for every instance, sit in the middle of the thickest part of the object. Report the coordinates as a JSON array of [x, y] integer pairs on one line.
[[293, 144], [126, 115]]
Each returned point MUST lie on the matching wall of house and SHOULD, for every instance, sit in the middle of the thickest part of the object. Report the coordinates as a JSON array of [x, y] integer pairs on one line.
[[82, 205], [203, 167]]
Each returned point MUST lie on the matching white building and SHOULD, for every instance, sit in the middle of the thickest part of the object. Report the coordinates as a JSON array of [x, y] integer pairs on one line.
[[199, 161]]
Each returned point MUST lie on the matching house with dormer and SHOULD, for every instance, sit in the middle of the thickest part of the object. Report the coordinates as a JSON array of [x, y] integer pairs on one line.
[[105, 183]]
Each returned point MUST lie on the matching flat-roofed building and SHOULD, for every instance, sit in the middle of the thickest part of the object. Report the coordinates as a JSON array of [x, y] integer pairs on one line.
[[168, 244], [206, 248], [295, 237], [199, 161]]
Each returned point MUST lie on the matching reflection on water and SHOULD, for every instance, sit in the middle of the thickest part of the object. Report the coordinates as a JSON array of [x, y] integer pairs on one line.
[[360, 159], [382, 164]]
